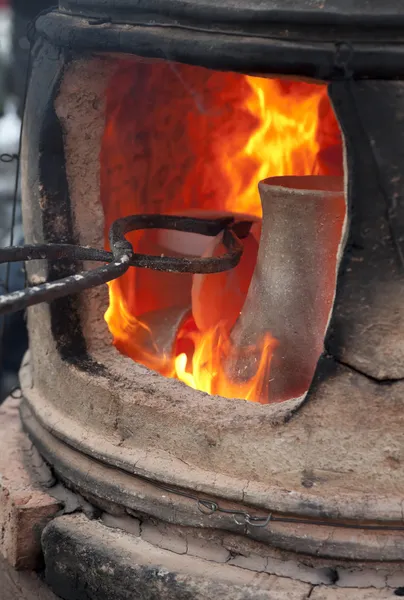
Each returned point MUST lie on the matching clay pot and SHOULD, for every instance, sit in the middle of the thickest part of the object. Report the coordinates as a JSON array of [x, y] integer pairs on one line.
[[293, 285]]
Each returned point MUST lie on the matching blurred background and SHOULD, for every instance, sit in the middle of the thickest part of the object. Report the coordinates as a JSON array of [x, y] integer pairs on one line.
[[16, 17]]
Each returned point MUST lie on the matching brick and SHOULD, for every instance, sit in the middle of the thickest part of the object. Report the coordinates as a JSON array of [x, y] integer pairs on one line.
[[25, 508]]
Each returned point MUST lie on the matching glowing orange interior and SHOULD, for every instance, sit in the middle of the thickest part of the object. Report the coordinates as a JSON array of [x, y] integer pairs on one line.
[[187, 140]]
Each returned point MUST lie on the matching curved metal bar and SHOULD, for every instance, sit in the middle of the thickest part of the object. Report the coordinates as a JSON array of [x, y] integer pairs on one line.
[[213, 227], [210, 227], [121, 258]]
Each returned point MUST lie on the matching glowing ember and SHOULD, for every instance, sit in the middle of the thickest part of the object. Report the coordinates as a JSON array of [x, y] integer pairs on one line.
[[201, 140]]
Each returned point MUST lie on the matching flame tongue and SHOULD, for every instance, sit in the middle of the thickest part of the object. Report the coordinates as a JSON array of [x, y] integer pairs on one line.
[[202, 145], [203, 369]]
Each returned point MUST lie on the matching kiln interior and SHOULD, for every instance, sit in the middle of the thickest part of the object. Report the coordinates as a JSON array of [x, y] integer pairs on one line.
[[185, 140]]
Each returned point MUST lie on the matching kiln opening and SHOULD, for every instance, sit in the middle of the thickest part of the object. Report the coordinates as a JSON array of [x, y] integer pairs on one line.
[[189, 141]]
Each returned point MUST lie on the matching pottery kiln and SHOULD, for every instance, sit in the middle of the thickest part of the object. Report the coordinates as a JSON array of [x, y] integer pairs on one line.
[[127, 113]]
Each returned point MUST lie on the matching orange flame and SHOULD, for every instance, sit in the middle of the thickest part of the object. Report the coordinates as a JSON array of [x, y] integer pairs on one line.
[[203, 370], [202, 140]]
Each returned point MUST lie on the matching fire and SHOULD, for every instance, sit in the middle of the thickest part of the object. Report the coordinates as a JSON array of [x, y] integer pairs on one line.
[[203, 369], [201, 140], [284, 141]]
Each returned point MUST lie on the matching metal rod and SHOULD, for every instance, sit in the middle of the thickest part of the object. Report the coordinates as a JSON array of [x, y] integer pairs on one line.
[[121, 258]]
